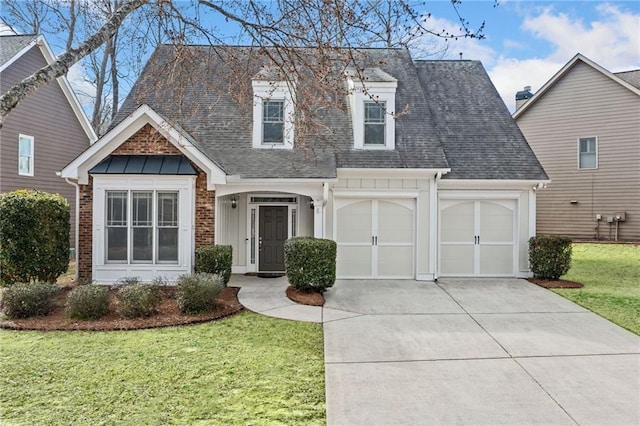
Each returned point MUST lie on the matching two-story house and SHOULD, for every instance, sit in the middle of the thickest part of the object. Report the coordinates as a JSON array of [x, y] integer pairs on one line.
[[584, 126], [417, 171], [45, 131]]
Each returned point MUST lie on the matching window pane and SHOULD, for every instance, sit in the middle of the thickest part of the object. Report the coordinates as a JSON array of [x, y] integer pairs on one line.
[[587, 153], [273, 133], [168, 209], [142, 204], [24, 147], [117, 208], [588, 161], [117, 243], [167, 244], [273, 111], [23, 164], [374, 134], [142, 244], [374, 112]]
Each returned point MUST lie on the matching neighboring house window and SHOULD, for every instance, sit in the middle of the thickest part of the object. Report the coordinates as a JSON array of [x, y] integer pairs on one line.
[[273, 122], [25, 155], [588, 153], [145, 233], [374, 118]]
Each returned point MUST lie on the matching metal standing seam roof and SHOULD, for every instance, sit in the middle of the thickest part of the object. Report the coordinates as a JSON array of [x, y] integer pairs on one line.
[[145, 165]]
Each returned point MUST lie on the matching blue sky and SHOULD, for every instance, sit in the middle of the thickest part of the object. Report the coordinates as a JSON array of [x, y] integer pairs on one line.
[[527, 42]]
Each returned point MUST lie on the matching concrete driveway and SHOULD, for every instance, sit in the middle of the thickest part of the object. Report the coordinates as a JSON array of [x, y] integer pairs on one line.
[[474, 351]]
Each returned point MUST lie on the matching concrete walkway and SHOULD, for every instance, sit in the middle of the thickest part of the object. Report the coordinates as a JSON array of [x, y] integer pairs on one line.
[[465, 351]]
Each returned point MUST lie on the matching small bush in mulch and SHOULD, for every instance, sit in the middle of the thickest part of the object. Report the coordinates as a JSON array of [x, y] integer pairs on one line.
[[29, 300], [304, 297], [550, 256], [214, 259], [310, 263], [87, 302], [197, 293], [138, 300]]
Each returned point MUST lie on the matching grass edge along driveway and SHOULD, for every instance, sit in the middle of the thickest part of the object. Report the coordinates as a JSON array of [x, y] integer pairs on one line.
[[611, 277], [246, 369]]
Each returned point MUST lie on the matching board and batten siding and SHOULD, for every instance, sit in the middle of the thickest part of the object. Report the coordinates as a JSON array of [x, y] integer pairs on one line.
[[586, 103], [58, 136]]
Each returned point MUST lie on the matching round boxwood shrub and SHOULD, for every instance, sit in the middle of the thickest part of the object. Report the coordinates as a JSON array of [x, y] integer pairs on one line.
[[310, 263], [24, 300], [138, 300], [87, 302], [34, 236], [198, 293], [550, 256], [214, 260]]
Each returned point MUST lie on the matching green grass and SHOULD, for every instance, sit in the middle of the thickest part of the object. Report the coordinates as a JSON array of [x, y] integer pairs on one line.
[[247, 369], [611, 277]]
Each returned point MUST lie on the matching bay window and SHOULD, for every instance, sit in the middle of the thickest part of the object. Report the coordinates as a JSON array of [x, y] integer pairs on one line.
[[142, 226]]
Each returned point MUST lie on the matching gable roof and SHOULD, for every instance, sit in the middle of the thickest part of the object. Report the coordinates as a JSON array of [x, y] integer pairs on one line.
[[12, 47], [454, 116], [629, 80], [480, 138]]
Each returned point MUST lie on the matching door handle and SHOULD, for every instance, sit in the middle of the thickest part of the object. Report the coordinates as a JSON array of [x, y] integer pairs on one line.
[[376, 240], [260, 243]]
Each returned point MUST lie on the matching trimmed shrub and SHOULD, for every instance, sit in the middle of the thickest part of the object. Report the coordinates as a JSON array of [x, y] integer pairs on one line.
[[198, 293], [310, 263], [34, 236], [87, 302], [29, 300], [215, 260], [550, 256], [138, 300]]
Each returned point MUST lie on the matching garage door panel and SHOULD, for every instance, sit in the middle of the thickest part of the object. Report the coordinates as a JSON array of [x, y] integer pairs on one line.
[[354, 261], [494, 222], [355, 223], [496, 260], [395, 223], [395, 261], [457, 259], [457, 222]]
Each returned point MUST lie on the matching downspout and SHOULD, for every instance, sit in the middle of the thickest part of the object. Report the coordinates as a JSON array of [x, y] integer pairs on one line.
[[325, 199], [77, 229], [434, 226]]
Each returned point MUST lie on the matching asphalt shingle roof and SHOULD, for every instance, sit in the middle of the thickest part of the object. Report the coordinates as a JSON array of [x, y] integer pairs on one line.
[[10, 45], [631, 77], [479, 137], [451, 108]]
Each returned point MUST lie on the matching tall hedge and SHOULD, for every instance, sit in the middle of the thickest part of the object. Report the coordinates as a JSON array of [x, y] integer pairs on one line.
[[550, 256], [34, 236], [310, 263]]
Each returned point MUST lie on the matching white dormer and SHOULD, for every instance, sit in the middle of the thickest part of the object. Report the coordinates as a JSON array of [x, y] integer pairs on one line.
[[273, 111], [372, 98]]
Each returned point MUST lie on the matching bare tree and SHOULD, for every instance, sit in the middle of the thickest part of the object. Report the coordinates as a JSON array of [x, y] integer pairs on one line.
[[333, 28]]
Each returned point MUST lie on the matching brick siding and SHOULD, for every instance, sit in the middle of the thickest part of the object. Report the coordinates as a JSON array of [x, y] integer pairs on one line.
[[147, 141]]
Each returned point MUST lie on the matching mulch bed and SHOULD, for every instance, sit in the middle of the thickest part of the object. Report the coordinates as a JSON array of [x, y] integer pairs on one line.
[[305, 298], [555, 283], [168, 314]]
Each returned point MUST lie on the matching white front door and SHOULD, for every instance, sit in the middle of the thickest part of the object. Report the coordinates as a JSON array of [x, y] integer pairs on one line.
[[375, 238], [477, 237]]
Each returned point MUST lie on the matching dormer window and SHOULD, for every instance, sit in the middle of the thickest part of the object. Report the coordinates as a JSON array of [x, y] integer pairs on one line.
[[372, 97], [374, 118], [273, 112], [273, 122]]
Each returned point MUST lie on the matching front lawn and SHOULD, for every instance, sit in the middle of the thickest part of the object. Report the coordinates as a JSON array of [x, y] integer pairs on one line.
[[247, 369], [611, 277]]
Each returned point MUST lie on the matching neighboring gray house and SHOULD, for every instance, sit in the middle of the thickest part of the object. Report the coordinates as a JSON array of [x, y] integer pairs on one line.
[[45, 131], [584, 126], [446, 188]]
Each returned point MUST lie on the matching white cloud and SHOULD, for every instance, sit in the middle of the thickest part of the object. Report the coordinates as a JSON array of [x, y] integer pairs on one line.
[[85, 90], [610, 40]]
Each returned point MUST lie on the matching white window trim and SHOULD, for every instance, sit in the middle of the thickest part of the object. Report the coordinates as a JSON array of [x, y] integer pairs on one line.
[[108, 272], [377, 92], [31, 158], [273, 91], [596, 153]]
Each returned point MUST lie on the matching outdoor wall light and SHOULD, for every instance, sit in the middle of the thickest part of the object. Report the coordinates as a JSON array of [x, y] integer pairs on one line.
[[234, 202]]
